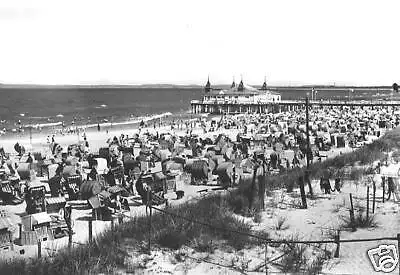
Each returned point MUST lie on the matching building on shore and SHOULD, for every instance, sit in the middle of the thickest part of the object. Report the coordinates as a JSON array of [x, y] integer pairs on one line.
[[239, 98]]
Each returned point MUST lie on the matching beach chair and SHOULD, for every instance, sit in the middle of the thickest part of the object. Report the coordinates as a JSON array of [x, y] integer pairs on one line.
[[55, 185], [101, 179], [119, 176], [10, 192], [346, 172], [73, 186], [35, 200], [6, 187]]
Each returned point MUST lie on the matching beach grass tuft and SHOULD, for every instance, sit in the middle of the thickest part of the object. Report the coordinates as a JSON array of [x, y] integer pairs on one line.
[[281, 223], [360, 220]]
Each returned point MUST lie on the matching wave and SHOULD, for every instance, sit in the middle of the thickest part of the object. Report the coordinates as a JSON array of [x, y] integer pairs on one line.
[[42, 125], [134, 120], [38, 117], [131, 121]]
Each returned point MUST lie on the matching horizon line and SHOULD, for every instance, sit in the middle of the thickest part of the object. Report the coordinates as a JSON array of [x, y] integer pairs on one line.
[[186, 85]]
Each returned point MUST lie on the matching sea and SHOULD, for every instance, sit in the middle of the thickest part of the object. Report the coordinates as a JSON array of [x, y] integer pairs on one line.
[[41, 107], [47, 107]]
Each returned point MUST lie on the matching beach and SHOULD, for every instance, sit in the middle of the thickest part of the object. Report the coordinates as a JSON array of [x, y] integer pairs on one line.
[[97, 140], [228, 139]]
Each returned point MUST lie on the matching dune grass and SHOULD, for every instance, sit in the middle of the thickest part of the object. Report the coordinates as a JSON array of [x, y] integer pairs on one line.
[[107, 252], [361, 220], [303, 259]]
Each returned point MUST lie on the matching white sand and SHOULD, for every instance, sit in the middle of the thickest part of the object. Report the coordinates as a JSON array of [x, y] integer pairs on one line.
[[306, 223]]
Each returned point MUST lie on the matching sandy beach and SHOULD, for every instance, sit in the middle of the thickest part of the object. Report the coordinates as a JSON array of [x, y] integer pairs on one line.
[[299, 221]]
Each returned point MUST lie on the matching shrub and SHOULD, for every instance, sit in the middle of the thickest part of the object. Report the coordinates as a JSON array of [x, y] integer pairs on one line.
[[360, 220], [257, 217], [237, 203], [317, 263], [297, 258], [294, 259], [171, 239], [203, 243], [357, 173]]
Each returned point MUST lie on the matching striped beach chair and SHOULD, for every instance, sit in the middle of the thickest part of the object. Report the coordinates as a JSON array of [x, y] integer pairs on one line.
[[6, 187]]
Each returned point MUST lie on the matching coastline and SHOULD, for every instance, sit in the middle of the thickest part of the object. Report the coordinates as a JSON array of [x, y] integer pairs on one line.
[[37, 140]]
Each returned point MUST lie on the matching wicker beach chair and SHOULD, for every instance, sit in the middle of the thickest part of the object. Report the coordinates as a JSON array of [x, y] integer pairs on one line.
[[73, 186], [35, 200], [119, 176]]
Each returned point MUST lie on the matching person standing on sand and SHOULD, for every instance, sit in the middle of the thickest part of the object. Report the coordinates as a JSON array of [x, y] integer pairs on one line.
[[391, 189], [98, 127], [86, 145]]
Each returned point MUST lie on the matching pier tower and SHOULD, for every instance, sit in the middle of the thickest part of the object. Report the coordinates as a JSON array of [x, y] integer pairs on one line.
[[208, 88]]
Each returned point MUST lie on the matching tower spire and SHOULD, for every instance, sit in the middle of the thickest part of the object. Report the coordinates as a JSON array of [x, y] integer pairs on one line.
[[233, 83], [264, 86], [208, 88], [241, 85]]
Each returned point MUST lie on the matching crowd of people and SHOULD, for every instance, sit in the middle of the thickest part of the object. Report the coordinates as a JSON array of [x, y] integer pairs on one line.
[[280, 137]]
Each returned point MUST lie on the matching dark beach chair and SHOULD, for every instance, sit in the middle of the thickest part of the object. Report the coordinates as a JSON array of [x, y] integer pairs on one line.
[[119, 176], [35, 200], [73, 186]]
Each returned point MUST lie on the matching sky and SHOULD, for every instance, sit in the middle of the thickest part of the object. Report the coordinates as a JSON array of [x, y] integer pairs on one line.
[[184, 42]]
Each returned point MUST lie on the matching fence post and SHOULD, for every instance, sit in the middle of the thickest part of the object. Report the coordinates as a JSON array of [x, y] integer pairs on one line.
[[90, 231], [39, 246], [337, 240], [373, 198], [367, 203], [266, 262], [234, 176], [309, 182], [20, 232], [302, 193], [149, 200], [69, 239], [353, 225], [383, 189], [398, 247]]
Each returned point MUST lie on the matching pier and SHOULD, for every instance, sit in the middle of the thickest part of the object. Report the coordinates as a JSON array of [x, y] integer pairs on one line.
[[234, 107]]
